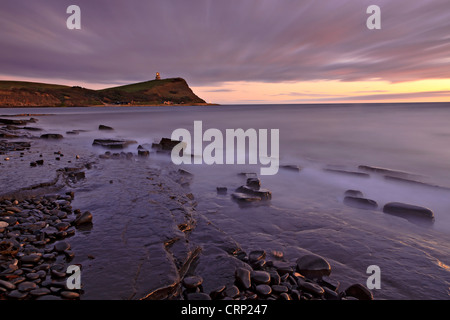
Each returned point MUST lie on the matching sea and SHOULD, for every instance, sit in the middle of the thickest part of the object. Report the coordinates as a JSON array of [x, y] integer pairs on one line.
[[327, 145]]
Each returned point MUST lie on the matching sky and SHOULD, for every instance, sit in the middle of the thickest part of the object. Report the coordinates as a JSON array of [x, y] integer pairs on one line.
[[236, 51]]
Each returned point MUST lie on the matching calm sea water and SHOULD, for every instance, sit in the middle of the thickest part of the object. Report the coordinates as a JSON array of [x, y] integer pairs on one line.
[[307, 213]]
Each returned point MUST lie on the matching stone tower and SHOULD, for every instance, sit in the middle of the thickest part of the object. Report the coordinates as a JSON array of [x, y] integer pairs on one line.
[[158, 76]]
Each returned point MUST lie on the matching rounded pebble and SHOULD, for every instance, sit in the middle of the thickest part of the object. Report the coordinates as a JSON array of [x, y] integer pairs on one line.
[[260, 277], [192, 282], [70, 295], [263, 289]]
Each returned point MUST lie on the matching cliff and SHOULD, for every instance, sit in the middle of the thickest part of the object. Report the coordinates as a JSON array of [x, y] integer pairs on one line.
[[174, 91]]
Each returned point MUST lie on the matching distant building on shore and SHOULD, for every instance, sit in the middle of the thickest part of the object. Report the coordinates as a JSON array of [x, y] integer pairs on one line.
[[158, 76]]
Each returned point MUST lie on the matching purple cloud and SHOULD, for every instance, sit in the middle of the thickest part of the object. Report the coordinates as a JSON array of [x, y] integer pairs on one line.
[[210, 42]]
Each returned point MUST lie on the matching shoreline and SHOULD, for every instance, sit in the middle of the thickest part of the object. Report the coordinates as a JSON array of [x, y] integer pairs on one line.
[[150, 220], [114, 105], [256, 275]]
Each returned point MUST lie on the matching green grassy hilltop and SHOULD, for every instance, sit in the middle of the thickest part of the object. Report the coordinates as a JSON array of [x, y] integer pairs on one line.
[[173, 91]]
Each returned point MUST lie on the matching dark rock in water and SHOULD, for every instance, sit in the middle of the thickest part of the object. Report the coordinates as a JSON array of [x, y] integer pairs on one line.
[[243, 278], [53, 136], [242, 197], [291, 168], [13, 121], [143, 153], [360, 203], [313, 266], [254, 183], [8, 135], [192, 282], [264, 194], [113, 144], [185, 173], [408, 211], [354, 193], [359, 292], [32, 129], [40, 162], [75, 176], [222, 190], [166, 144], [106, 128], [84, 218], [6, 146]]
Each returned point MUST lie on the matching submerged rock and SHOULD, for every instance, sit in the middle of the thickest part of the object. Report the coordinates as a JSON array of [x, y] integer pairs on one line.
[[313, 266], [166, 144], [106, 128], [143, 153], [222, 190], [360, 203], [264, 194], [354, 193], [243, 197], [409, 211], [13, 121], [84, 218], [113, 144], [289, 167], [53, 136]]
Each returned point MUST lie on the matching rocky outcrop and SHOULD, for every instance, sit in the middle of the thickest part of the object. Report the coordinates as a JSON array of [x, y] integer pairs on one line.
[[174, 91]]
